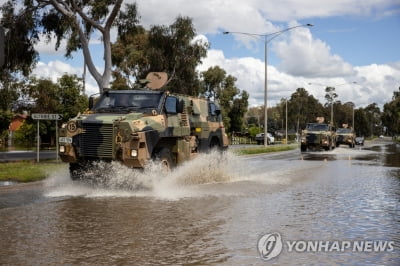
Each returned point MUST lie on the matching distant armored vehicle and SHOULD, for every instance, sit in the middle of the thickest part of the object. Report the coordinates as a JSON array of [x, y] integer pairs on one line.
[[316, 136], [135, 126], [345, 136]]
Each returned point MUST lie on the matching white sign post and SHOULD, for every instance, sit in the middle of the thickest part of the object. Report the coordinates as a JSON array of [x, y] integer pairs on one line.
[[46, 117]]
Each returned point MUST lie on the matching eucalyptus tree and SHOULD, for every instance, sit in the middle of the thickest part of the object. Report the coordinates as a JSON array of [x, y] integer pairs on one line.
[[303, 108], [391, 114], [234, 102], [75, 21], [172, 49]]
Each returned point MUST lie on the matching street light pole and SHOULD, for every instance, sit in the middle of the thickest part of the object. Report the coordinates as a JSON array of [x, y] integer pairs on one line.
[[265, 94], [286, 123], [267, 38], [331, 94]]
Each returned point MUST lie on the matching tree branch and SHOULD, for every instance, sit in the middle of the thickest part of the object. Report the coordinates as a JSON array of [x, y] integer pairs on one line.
[[62, 8], [86, 18], [113, 14]]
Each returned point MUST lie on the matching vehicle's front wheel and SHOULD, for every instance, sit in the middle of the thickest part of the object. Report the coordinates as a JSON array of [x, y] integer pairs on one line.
[[164, 156], [77, 170]]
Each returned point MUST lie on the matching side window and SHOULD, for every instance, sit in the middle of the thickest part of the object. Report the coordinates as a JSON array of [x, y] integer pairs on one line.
[[213, 109], [215, 112], [170, 105]]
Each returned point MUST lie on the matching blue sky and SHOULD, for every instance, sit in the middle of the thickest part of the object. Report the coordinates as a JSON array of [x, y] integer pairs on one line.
[[352, 40], [360, 41]]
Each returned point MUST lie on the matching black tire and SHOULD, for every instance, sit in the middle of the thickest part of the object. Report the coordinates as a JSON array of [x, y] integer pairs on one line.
[[164, 156], [77, 170], [214, 144]]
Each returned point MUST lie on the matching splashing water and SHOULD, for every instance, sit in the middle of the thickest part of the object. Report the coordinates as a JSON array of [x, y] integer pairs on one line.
[[104, 179], [196, 177]]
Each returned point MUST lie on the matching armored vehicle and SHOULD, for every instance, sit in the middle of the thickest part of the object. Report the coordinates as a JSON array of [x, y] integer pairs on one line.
[[138, 125], [317, 136], [345, 136]]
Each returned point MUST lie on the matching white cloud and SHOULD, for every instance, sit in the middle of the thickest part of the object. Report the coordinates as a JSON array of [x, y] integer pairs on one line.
[[236, 15], [302, 55], [375, 83], [378, 82], [45, 47], [54, 70]]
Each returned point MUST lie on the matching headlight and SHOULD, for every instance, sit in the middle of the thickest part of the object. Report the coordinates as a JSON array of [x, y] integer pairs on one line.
[[62, 149], [134, 153]]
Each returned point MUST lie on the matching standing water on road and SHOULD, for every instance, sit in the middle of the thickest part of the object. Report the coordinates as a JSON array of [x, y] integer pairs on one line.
[[213, 211]]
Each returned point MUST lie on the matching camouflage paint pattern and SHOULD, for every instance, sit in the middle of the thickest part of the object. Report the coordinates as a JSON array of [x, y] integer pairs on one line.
[[317, 138], [133, 138]]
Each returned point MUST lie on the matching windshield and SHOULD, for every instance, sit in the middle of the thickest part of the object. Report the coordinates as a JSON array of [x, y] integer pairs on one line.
[[128, 101], [317, 127], [343, 130]]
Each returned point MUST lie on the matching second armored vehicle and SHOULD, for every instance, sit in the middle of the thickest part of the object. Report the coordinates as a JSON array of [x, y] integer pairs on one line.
[[316, 136], [345, 136]]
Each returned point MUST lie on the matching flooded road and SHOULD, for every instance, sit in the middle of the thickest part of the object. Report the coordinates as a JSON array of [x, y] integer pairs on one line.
[[213, 211]]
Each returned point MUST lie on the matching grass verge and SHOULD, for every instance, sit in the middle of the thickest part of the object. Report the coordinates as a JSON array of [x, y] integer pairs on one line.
[[271, 148], [26, 171]]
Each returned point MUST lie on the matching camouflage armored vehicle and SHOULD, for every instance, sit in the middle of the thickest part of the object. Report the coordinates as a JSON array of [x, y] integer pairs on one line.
[[345, 136], [135, 126], [317, 136]]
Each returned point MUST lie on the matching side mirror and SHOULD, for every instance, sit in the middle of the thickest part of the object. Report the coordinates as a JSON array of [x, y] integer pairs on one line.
[[180, 106]]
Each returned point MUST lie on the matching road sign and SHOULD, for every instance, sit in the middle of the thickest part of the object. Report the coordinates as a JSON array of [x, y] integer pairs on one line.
[[46, 116]]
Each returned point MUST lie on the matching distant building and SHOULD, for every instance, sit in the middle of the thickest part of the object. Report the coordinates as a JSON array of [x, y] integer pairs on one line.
[[16, 122]]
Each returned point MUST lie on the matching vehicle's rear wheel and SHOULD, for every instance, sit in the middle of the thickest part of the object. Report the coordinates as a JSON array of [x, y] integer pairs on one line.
[[215, 145], [303, 148]]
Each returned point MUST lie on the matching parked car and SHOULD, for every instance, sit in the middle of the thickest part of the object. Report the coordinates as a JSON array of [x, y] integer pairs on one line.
[[260, 139], [359, 141]]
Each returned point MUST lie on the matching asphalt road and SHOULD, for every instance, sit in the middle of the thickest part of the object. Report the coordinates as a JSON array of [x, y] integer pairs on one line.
[[26, 155], [213, 211]]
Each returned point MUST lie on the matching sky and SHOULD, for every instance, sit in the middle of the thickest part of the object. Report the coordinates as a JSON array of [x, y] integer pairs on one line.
[[353, 46]]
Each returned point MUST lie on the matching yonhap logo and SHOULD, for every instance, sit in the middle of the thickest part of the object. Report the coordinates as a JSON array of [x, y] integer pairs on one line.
[[270, 246]]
